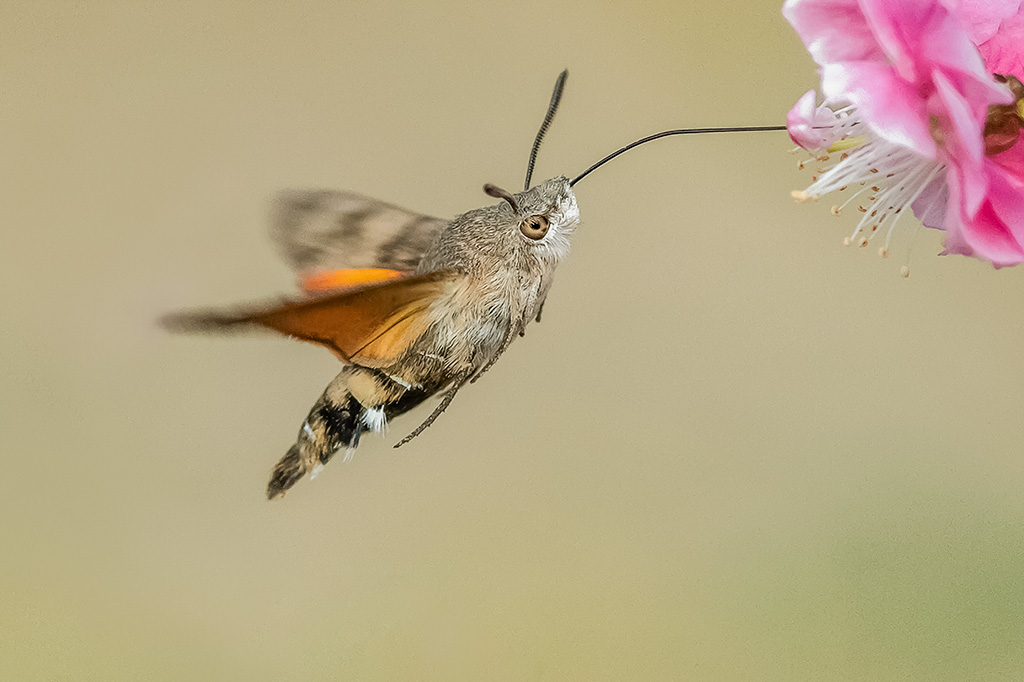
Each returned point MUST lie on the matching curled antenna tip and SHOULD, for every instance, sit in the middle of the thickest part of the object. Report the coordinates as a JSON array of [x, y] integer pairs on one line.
[[499, 193]]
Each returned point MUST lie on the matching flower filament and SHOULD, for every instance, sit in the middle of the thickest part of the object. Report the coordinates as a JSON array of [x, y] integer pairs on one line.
[[892, 175]]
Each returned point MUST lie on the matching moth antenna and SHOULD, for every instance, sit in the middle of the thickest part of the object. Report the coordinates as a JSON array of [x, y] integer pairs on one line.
[[666, 133], [442, 406], [499, 193], [556, 97]]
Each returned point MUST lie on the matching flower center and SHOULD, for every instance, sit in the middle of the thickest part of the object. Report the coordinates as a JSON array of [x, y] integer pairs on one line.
[[888, 176], [1005, 121]]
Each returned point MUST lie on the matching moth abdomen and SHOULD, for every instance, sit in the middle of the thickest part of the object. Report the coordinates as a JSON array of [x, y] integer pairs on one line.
[[342, 425], [286, 473], [335, 421], [359, 399]]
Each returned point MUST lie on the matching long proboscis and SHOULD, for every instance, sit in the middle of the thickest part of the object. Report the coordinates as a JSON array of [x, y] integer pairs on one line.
[[666, 133]]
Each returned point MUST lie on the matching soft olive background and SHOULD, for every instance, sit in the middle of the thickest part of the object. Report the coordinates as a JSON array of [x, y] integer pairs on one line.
[[733, 450]]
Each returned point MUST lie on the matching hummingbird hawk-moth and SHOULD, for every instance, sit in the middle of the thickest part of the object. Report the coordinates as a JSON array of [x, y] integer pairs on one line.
[[414, 306]]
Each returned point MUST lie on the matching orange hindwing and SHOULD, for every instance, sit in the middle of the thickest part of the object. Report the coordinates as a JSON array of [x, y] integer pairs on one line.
[[369, 325]]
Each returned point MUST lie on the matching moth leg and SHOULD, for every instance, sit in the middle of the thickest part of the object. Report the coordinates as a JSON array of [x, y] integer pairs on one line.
[[545, 287], [505, 343], [540, 309], [449, 395]]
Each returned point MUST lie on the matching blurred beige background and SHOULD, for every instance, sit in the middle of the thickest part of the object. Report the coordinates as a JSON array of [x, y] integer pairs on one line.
[[733, 449]]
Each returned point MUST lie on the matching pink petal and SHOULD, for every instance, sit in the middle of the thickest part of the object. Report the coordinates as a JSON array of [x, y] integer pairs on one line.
[[963, 141], [811, 126], [890, 106], [990, 238], [982, 91], [901, 28], [949, 46], [1006, 196], [997, 28], [953, 222], [919, 35], [996, 231], [832, 30], [1004, 52], [933, 203], [983, 17]]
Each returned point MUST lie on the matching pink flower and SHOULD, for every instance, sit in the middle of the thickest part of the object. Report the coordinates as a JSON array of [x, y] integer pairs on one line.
[[917, 118]]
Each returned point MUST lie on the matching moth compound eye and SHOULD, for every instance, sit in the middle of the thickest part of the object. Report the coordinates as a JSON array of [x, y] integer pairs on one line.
[[535, 227]]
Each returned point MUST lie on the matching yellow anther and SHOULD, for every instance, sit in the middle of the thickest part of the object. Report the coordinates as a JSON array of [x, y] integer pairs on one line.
[[847, 143]]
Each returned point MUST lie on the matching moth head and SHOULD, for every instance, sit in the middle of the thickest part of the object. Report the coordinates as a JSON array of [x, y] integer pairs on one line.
[[542, 217]]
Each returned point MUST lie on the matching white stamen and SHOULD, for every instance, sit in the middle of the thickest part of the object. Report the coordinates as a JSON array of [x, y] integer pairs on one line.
[[839, 209], [935, 172], [348, 454], [895, 176]]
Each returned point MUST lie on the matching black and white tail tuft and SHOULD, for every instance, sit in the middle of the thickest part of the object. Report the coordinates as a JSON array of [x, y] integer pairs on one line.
[[336, 421]]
